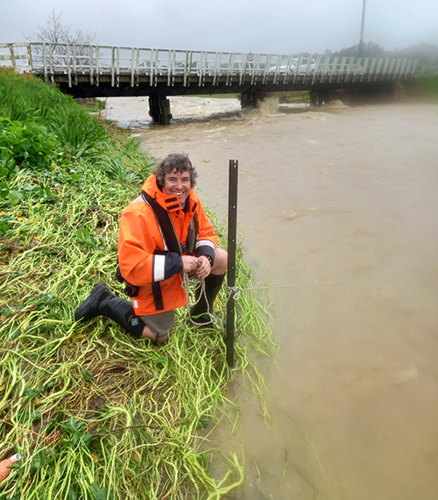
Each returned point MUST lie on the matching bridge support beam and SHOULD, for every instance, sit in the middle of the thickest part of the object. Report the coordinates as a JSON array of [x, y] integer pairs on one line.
[[250, 98], [159, 109]]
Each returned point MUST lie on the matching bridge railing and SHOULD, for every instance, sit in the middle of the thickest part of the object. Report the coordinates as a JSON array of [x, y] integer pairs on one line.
[[157, 65], [15, 55]]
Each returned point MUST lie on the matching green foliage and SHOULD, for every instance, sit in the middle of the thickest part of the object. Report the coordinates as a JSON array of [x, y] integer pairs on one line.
[[55, 139], [131, 147], [31, 393], [428, 85], [75, 433], [24, 147], [28, 415], [79, 133], [100, 493], [91, 104], [28, 100], [424, 88], [116, 170], [87, 376], [38, 460]]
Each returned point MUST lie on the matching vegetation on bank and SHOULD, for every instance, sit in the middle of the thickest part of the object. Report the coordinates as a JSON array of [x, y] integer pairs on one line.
[[95, 413], [423, 88]]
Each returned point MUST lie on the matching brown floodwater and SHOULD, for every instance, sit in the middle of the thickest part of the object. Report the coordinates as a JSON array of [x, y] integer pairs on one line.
[[338, 209]]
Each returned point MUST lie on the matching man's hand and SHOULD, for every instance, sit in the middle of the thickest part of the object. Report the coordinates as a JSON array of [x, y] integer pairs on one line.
[[204, 267], [190, 263], [201, 265]]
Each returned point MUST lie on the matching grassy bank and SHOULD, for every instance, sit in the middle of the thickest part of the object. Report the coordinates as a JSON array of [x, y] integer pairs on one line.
[[95, 413], [423, 88]]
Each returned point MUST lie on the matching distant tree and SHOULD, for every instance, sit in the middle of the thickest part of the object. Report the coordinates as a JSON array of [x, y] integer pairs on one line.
[[55, 32], [370, 49]]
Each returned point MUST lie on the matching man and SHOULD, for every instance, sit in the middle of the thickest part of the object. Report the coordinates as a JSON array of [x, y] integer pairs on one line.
[[162, 233]]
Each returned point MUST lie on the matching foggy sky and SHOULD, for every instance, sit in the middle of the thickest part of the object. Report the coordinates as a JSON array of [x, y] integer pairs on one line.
[[259, 26]]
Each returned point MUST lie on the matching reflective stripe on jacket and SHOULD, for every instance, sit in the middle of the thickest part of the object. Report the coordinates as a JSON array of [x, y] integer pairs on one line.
[[144, 257]]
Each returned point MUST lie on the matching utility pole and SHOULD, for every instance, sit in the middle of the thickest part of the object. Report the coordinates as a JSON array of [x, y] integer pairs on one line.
[[362, 27]]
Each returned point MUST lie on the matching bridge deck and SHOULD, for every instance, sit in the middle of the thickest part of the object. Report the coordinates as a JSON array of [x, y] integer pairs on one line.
[[102, 70]]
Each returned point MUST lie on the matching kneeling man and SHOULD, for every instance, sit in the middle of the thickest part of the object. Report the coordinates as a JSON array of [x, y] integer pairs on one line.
[[162, 233]]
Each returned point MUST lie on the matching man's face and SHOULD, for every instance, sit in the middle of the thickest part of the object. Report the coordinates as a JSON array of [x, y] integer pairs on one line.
[[177, 184]]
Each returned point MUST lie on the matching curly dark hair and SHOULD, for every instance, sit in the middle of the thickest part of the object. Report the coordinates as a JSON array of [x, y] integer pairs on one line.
[[175, 162]]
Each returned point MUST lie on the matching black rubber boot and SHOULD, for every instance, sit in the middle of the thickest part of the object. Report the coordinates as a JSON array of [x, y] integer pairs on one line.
[[102, 302], [202, 313]]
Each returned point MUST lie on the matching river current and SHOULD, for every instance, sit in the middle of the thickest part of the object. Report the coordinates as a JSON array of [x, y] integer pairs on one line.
[[338, 209]]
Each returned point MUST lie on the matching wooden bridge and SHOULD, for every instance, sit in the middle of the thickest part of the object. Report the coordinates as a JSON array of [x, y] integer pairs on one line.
[[103, 71]]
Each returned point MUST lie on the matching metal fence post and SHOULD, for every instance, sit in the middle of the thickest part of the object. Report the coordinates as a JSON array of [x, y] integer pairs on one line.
[[232, 239]]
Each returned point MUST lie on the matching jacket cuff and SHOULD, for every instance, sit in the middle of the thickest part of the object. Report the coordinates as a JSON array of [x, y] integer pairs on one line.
[[206, 248], [165, 266]]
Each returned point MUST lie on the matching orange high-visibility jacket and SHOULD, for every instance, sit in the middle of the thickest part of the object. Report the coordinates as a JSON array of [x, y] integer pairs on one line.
[[144, 258]]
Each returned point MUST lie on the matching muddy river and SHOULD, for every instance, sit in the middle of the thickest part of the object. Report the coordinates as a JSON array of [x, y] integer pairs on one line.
[[338, 208]]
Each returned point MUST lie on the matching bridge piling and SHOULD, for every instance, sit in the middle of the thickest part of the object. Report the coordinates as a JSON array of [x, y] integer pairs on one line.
[[159, 109], [251, 98]]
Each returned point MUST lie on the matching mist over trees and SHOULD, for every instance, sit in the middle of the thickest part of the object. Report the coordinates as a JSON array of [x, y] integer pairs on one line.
[[370, 49], [427, 54]]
